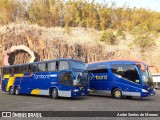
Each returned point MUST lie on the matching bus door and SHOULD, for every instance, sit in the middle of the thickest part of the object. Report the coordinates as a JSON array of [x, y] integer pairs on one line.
[[135, 82], [65, 79], [127, 78]]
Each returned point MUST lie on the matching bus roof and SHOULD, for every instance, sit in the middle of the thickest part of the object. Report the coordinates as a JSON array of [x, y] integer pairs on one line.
[[120, 61], [66, 59]]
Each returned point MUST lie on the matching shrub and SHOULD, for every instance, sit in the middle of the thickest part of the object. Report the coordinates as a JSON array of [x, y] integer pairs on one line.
[[108, 37], [144, 41], [120, 33]]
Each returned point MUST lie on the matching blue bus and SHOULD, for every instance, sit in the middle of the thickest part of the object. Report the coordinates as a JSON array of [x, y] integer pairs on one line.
[[54, 78], [120, 78]]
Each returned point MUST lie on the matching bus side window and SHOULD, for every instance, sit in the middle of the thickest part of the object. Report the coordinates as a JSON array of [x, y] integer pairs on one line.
[[41, 67], [61, 78], [5, 70], [33, 68], [128, 72], [16, 69], [10, 70], [65, 78], [93, 73], [98, 71], [24, 69], [52, 66], [63, 65], [68, 78]]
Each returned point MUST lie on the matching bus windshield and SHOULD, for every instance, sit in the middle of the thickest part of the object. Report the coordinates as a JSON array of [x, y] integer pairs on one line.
[[77, 65], [81, 79], [146, 77]]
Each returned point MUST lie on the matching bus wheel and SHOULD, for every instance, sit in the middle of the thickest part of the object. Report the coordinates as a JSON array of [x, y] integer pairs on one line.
[[17, 90], [54, 93], [116, 93], [11, 90]]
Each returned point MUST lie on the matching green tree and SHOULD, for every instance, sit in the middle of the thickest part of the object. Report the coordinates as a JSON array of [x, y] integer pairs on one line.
[[38, 12], [8, 11], [73, 13]]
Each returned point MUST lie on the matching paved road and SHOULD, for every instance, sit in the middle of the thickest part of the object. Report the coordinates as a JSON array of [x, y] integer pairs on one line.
[[88, 103]]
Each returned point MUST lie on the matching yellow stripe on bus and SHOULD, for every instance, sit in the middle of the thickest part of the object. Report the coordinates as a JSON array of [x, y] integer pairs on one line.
[[35, 91], [7, 76], [18, 75], [10, 83], [11, 80]]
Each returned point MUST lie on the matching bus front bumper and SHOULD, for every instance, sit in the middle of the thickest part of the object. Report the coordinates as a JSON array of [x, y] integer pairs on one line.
[[146, 93], [77, 93]]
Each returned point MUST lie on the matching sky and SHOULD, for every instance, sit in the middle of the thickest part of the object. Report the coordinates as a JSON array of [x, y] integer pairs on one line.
[[153, 5]]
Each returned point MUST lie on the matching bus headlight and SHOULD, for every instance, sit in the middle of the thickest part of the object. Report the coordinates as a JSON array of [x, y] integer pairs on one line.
[[76, 90], [143, 90]]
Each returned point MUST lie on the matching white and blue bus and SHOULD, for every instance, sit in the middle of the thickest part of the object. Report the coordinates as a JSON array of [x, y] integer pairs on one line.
[[54, 78], [120, 78]]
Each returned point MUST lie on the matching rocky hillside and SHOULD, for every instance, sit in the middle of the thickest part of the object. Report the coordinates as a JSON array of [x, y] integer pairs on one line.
[[79, 43]]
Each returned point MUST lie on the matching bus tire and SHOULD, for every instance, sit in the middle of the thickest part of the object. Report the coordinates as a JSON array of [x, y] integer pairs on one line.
[[17, 91], [11, 90], [117, 93], [54, 93]]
